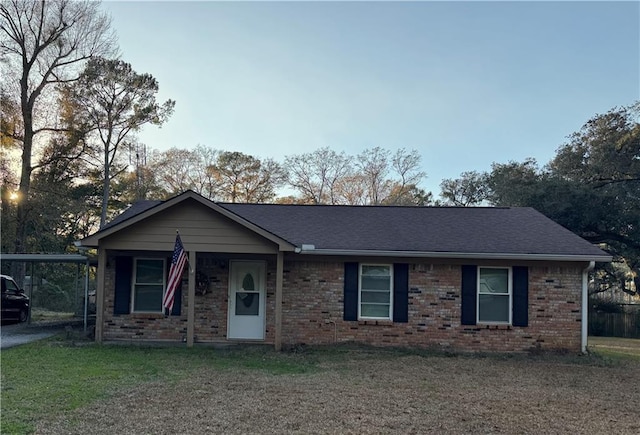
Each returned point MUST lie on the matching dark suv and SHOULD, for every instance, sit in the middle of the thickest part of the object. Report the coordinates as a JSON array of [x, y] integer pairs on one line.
[[15, 304]]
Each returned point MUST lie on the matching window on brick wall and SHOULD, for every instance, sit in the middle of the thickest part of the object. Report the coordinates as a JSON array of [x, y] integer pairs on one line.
[[385, 292], [375, 293], [494, 295], [148, 284]]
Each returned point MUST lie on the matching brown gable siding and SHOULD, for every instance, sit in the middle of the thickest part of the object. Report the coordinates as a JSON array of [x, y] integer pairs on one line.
[[200, 228]]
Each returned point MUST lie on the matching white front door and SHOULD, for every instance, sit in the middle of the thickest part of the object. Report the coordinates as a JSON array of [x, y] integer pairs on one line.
[[247, 282]]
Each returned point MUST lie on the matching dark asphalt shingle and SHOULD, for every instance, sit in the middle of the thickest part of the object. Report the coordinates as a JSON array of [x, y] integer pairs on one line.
[[520, 230], [135, 209], [463, 230]]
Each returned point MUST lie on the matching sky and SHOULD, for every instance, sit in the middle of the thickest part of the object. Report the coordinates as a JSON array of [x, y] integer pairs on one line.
[[465, 84]]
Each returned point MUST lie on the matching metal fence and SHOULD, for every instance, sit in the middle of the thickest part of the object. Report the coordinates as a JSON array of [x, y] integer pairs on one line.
[[56, 284]]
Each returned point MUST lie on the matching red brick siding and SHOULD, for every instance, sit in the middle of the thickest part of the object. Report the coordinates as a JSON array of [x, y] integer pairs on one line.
[[211, 308], [434, 311], [210, 324], [313, 310], [140, 326]]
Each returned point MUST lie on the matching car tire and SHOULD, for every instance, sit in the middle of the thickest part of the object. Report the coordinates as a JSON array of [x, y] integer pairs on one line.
[[24, 315]]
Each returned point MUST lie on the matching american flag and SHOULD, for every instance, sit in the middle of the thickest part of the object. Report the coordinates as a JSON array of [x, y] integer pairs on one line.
[[175, 273]]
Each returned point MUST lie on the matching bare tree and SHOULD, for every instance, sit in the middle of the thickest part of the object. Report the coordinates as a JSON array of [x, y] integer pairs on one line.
[[374, 177], [45, 43], [351, 190], [373, 164], [202, 179], [316, 175], [177, 170]]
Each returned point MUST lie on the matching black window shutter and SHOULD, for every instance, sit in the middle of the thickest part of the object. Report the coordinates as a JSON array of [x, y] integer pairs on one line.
[[122, 295], [401, 292], [177, 298], [177, 302], [520, 296], [350, 291], [469, 294]]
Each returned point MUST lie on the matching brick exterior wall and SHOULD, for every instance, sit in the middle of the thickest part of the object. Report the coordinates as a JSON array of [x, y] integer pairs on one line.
[[139, 326], [434, 311], [313, 310], [210, 309]]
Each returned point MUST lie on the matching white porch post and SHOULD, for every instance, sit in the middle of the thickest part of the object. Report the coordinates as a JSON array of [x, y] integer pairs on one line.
[[191, 299], [279, 279]]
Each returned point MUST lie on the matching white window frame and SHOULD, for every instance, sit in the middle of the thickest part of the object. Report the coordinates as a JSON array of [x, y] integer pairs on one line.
[[134, 282], [390, 316], [510, 295]]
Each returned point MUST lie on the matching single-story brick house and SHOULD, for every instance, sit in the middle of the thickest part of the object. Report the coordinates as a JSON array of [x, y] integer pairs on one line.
[[480, 279]]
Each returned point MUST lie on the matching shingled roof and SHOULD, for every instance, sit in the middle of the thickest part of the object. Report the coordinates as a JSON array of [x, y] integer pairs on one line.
[[471, 232], [464, 230]]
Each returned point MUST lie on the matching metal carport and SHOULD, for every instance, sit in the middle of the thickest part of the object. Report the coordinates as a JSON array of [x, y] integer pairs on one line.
[[56, 258]]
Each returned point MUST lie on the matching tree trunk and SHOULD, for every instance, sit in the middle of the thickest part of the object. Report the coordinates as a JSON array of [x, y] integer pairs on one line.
[[105, 190], [22, 212]]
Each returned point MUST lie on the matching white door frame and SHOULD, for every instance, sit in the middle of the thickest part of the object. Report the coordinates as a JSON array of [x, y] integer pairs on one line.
[[246, 327]]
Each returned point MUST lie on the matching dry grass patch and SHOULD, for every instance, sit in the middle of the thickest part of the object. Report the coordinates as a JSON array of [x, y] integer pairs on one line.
[[376, 391], [615, 345]]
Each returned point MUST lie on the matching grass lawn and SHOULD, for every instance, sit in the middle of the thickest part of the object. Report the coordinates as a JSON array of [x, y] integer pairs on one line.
[[615, 346], [41, 315], [53, 387]]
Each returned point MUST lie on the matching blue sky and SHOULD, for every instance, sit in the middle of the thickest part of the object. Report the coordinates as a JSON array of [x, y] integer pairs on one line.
[[464, 83]]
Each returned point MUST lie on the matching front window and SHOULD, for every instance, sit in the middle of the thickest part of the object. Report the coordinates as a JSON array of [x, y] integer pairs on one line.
[[494, 295], [148, 284], [375, 293]]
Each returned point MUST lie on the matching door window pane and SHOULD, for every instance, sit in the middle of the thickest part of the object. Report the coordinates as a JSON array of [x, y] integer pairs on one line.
[[248, 283], [247, 304]]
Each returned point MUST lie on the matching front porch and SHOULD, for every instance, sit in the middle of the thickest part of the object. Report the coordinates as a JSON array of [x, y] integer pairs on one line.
[[211, 305]]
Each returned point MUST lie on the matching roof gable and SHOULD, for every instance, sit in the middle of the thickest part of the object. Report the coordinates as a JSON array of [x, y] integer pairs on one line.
[[146, 209]]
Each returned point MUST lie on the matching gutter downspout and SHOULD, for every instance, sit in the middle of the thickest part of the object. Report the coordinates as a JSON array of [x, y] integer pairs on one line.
[[585, 304]]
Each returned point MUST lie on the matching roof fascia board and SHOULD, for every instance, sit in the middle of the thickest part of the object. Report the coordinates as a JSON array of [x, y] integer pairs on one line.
[[458, 255]]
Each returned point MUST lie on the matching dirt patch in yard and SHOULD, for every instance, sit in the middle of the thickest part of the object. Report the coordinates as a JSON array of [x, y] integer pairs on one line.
[[371, 392]]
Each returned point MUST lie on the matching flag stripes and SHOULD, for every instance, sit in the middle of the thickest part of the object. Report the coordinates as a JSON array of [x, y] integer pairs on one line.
[[178, 261]]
